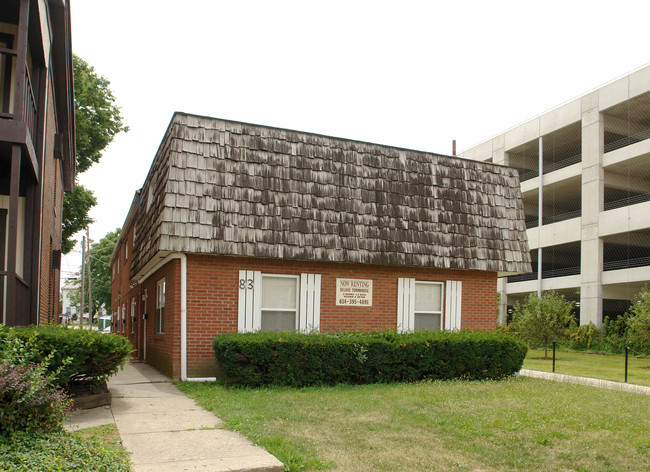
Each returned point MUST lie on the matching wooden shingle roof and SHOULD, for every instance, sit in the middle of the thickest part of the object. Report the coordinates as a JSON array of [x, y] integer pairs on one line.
[[230, 188]]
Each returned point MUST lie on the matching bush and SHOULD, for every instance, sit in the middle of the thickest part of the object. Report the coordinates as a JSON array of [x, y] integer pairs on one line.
[[638, 322], [295, 359], [59, 452], [585, 337], [93, 356], [29, 399]]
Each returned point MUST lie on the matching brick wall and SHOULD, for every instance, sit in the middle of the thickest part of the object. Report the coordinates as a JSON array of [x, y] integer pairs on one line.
[[52, 208], [123, 290], [212, 298], [163, 349]]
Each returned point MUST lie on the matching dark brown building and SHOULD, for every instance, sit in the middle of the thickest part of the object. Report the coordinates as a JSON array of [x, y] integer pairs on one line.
[[37, 155]]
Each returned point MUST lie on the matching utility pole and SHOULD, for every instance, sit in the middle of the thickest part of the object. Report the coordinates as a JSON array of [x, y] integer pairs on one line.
[[83, 281], [90, 290]]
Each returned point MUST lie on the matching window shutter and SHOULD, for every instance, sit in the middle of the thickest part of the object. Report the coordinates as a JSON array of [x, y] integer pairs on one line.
[[250, 297], [309, 314], [405, 304], [453, 299]]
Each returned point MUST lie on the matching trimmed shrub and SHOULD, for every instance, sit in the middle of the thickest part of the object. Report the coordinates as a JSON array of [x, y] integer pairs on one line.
[[297, 360], [29, 399], [77, 356]]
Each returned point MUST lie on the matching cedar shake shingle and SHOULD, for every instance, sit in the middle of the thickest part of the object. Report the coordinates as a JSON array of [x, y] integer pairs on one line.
[[229, 188]]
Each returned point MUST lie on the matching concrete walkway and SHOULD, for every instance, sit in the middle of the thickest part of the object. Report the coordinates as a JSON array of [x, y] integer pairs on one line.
[[166, 431], [608, 384]]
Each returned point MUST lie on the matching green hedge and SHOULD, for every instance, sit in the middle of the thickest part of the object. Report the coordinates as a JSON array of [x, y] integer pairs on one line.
[[93, 356], [294, 359]]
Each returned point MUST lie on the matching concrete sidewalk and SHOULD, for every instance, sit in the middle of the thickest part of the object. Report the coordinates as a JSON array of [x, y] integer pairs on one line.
[[166, 431]]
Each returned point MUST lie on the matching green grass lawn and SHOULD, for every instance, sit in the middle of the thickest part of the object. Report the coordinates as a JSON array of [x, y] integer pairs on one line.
[[597, 366], [519, 424]]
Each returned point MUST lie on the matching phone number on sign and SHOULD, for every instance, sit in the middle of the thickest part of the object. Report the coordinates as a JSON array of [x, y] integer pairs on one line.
[[352, 301]]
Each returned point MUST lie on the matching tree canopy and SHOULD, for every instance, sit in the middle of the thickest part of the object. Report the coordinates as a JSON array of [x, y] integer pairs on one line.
[[639, 321], [97, 120], [100, 270], [541, 320], [76, 206]]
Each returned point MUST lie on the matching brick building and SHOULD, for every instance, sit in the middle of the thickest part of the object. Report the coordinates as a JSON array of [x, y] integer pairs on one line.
[[37, 155], [242, 227]]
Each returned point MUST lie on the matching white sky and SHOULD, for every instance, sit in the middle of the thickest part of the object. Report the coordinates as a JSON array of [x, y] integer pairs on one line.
[[410, 74]]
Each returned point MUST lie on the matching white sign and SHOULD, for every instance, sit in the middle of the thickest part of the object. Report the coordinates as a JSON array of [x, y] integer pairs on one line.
[[354, 292]]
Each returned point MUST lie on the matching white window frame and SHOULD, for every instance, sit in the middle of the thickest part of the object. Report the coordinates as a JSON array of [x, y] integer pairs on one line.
[[308, 293], [161, 294], [451, 299], [296, 278], [123, 324], [431, 312], [132, 315]]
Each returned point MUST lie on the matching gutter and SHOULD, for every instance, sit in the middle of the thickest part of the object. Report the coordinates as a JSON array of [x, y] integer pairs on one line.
[[183, 258]]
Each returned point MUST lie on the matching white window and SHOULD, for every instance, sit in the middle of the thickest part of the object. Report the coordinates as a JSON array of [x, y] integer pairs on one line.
[[132, 315], [428, 306], [420, 304], [271, 302], [279, 307], [126, 249], [160, 306], [122, 326]]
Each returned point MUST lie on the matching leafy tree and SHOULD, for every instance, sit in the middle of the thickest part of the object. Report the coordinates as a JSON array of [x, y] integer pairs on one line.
[[638, 322], [541, 320], [75, 299], [97, 120], [76, 206], [100, 254]]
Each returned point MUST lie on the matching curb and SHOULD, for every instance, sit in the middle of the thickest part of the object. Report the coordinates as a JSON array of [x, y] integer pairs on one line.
[[607, 384]]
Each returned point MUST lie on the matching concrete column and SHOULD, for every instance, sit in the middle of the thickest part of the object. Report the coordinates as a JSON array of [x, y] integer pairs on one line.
[[502, 313], [499, 155], [591, 256]]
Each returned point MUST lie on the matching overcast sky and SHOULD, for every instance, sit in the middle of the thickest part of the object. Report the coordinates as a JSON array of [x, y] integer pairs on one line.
[[411, 74]]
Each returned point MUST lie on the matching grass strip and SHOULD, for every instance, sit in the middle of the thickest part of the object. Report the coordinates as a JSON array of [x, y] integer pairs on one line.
[[597, 366], [514, 425]]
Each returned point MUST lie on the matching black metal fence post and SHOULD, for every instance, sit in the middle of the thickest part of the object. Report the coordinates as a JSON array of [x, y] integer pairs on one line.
[[627, 350], [554, 357]]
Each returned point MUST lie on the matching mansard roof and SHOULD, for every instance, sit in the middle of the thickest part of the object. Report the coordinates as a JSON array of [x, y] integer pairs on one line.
[[230, 188]]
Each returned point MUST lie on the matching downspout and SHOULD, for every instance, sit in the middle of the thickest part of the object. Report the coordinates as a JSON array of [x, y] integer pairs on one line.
[[183, 259]]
